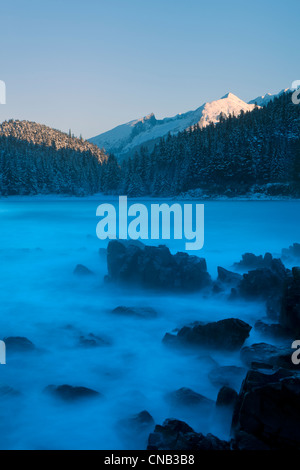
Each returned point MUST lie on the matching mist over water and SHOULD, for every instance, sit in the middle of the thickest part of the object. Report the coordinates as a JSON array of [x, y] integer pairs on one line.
[[41, 242]]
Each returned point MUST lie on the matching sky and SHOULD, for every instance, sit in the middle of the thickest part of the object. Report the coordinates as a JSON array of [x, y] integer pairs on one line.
[[91, 65]]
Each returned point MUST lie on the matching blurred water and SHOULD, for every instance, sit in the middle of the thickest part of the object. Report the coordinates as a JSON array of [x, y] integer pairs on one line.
[[41, 242]]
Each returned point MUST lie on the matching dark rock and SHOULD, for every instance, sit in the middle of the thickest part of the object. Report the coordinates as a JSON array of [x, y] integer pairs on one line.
[[264, 283], [103, 253], [267, 354], [229, 334], [155, 267], [268, 409], [245, 441], [188, 398], [140, 423], [18, 344], [69, 393], [93, 341], [290, 307], [81, 270], [228, 277], [227, 397], [177, 435], [140, 312], [6, 391], [274, 330], [251, 261], [227, 376]]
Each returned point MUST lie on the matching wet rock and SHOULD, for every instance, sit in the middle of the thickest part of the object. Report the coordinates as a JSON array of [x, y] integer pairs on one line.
[[227, 398], [69, 393], [188, 398], [155, 267], [229, 335], [177, 435], [251, 261], [18, 344], [268, 410], [81, 270], [290, 307], [228, 277], [267, 354], [227, 376], [140, 312]]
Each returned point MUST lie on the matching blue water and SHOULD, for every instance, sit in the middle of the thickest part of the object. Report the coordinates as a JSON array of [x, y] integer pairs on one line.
[[41, 242]]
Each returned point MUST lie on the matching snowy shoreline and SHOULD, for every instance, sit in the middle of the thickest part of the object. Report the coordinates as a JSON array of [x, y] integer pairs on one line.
[[106, 197]]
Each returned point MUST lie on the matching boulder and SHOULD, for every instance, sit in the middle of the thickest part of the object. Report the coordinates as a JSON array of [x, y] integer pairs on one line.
[[69, 393], [177, 435], [229, 334], [264, 283], [268, 411], [155, 267], [140, 312]]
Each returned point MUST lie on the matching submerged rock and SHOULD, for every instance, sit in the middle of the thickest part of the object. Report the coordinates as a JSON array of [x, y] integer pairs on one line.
[[139, 423], [140, 312], [18, 344], [229, 334], [6, 391], [69, 393], [155, 267], [267, 413], [273, 330], [227, 376], [81, 270], [188, 398], [93, 341], [177, 435], [291, 253]]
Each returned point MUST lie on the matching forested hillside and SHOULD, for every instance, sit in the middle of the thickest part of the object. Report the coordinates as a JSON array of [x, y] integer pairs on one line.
[[35, 159], [258, 151]]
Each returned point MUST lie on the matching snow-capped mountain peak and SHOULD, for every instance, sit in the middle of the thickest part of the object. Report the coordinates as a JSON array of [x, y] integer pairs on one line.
[[125, 139]]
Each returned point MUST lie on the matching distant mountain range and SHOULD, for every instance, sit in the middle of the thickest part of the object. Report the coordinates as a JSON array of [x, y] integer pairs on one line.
[[126, 139]]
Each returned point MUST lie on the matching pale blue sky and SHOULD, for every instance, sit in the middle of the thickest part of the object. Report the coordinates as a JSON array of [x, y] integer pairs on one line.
[[91, 65]]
